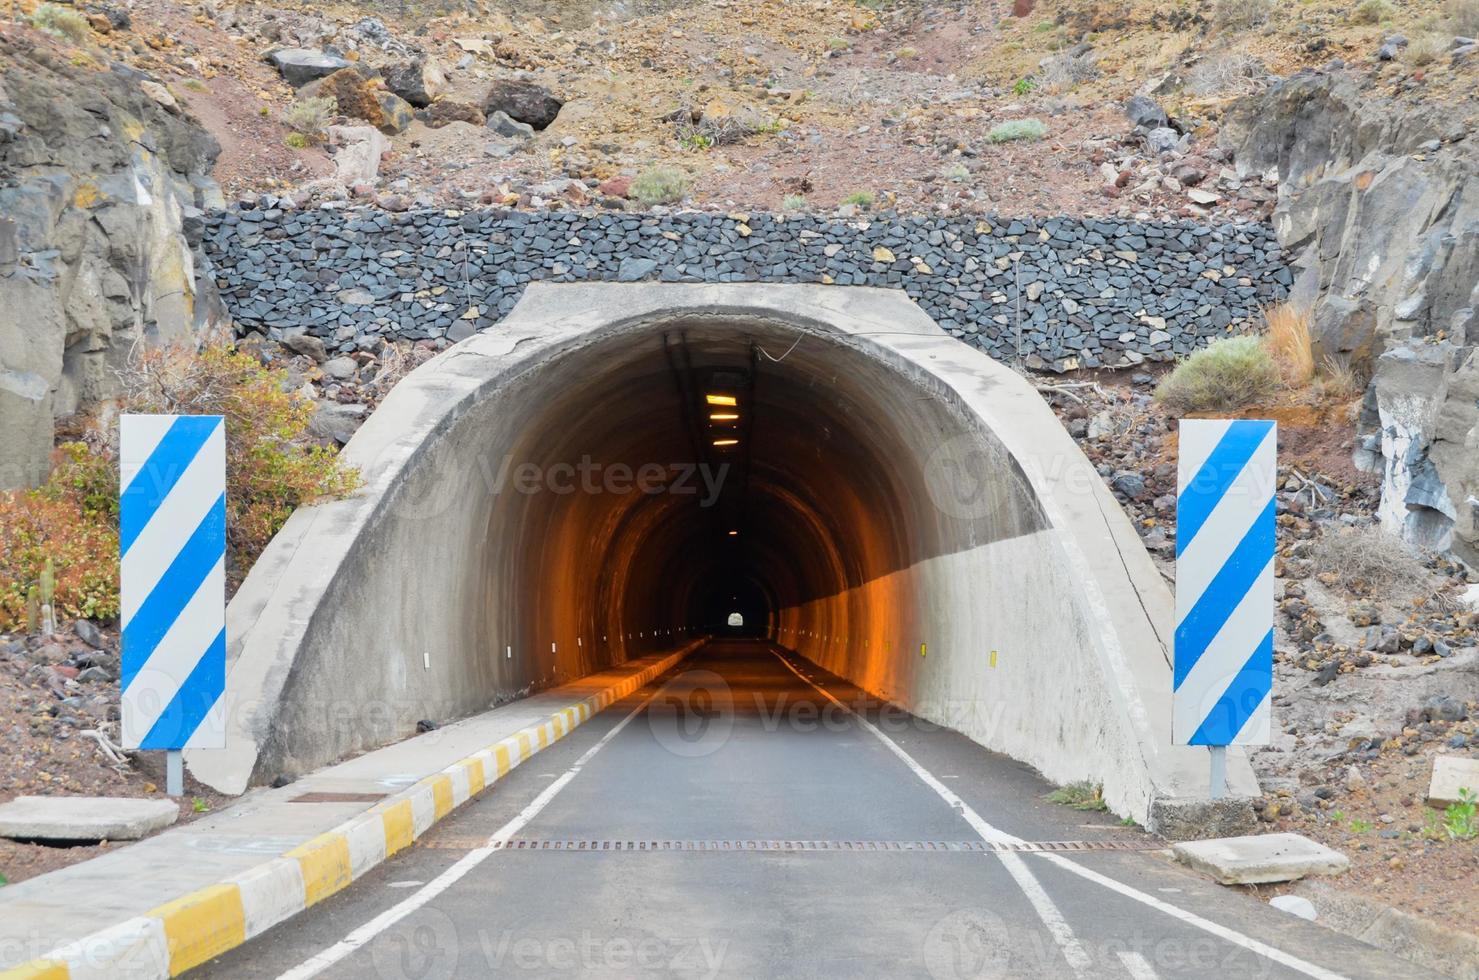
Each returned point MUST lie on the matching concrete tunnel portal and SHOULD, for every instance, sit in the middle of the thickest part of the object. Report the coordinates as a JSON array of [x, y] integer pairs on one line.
[[617, 469]]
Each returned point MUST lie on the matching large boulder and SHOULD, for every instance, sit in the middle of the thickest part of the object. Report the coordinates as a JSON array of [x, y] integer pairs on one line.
[[419, 81], [357, 153], [445, 111], [299, 66], [524, 101], [359, 98]]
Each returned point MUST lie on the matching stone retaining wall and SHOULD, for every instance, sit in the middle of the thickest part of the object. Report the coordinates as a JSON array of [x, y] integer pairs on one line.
[[1061, 293]]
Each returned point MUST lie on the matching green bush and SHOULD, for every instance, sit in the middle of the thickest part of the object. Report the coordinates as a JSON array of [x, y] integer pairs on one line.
[[793, 202], [862, 199], [1017, 129], [310, 117], [660, 185], [61, 22], [1226, 374]]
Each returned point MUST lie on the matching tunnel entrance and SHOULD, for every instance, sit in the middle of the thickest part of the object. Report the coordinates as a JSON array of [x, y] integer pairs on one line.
[[616, 469]]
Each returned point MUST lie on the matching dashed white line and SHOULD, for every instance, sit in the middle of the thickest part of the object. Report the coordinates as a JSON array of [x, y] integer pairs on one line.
[[1137, 966], [319, 962]]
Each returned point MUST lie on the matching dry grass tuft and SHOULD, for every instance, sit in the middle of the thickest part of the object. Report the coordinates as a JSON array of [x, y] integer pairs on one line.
[[1289, 342], [1368, 561]]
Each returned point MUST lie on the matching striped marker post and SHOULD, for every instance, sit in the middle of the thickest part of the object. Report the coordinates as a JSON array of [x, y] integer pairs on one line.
[[1224, 650], [172, 544]]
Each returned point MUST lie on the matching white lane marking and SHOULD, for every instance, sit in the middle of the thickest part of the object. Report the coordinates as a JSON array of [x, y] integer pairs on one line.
[[1078, 959], [1191, 918], [1138, 966], [984, 829], [319, 962]]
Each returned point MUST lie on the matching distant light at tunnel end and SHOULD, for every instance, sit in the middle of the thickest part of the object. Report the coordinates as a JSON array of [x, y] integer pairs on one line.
[[724, 417], [726, 442], [732, 534], [721, 400]]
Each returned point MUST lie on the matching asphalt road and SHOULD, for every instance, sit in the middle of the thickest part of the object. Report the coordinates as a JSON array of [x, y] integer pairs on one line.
[[738, 746]]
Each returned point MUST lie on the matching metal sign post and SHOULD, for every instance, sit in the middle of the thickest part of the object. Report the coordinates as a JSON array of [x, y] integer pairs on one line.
[[172, 545], [1224, 647]]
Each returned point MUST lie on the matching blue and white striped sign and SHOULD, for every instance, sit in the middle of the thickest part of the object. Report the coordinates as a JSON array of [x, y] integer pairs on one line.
[[172, 540], [1224, 582]]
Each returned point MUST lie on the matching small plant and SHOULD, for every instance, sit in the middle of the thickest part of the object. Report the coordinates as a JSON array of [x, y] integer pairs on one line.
[[1359, 826], [957, 173], [1023, 86], [838, 44], [1128, 822], [1062, 72], [1081, 796], [1337, 380], [310, 117], [1289, 342], [199, 805], [1045, 27], [1424, 50], [59, 21], [1463, 17], [1371, 12], [196, 85], [1366, 561], [1461, 819], [793, 202], [660, 185], [861, 199], [1225, 375], [907, 53], [1017, 129], [696, 141], [1240, 15], [297, 141], [1231, 73]]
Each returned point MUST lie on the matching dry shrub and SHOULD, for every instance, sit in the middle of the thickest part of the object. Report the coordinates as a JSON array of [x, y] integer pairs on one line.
[[1060, 73], [1424, 50], [1228, 73], [71, 524], [310, 117], [273, 464], [1371, 12], [61, 22], [1337, 381], [1225, 375], [1463, 17], [1240, 15], [1288, 339], [1368, 561]]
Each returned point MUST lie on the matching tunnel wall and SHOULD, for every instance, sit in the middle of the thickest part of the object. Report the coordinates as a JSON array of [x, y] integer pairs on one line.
[[426, 596]]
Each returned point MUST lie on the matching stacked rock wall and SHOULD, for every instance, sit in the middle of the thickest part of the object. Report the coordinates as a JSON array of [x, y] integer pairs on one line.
[[1059, 293]]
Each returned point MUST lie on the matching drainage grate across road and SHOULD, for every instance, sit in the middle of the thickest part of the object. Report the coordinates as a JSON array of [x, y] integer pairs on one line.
[[791, 846]]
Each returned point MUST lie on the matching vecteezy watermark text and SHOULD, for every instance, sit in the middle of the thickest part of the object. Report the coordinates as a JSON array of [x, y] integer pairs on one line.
[[590, 476]]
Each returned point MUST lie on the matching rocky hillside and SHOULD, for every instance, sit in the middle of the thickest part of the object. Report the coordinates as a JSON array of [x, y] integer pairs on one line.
[[103, 178]]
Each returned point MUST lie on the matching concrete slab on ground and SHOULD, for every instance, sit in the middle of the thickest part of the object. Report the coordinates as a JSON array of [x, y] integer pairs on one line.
[[1261, 859], [84, 818], [1452, 773]]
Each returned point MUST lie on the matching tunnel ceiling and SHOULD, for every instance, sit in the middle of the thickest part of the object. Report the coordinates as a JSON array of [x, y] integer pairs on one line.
[[649, 507]]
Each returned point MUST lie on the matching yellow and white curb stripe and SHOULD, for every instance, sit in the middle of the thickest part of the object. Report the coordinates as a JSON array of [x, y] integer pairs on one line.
[[197, 927]]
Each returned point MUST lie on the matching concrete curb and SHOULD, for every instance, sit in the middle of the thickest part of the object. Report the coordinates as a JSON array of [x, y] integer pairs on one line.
[[198, 926]]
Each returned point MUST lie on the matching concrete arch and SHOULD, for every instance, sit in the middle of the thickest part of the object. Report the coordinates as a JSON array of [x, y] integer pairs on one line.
[[908, 514]]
